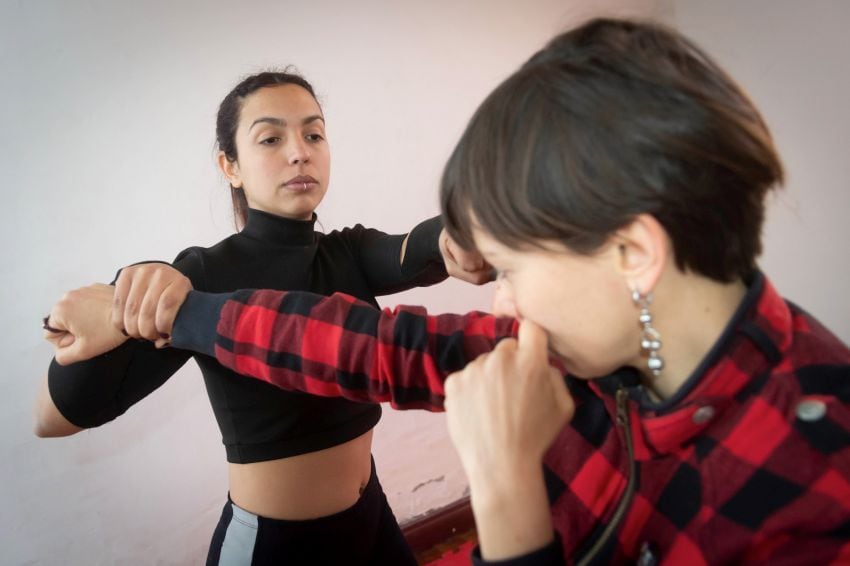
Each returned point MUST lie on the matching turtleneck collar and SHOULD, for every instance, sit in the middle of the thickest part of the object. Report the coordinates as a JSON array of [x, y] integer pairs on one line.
[[278, 230]]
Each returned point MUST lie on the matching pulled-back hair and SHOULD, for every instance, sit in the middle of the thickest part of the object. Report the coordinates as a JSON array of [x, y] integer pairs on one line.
[[227, 122], [608, 121]]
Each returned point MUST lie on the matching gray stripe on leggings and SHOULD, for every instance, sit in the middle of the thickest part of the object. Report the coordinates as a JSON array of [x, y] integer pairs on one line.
[[238, 546]]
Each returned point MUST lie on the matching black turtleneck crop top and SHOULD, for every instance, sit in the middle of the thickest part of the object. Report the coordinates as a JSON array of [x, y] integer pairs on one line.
[[259, 421]]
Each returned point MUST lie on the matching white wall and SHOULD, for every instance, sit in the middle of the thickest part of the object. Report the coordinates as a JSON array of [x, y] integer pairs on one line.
[[106, 137], [794, 60], [106, 127]]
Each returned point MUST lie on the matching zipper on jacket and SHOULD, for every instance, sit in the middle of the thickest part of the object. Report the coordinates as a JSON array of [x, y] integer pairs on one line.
[[626, 500]]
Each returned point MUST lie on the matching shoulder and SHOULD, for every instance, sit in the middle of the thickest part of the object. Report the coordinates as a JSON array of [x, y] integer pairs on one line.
[[352, 233], [351, 237], [813, 342], [194, 261], [805, 403]]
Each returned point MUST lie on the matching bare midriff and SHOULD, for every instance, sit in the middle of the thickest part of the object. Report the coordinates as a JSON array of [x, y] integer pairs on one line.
[[306, 486]]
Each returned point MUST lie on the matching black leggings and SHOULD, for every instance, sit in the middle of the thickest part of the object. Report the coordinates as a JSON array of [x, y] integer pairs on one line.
[[364, 534]]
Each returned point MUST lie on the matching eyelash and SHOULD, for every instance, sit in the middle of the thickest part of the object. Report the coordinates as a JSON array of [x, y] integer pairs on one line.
[[311, 138]]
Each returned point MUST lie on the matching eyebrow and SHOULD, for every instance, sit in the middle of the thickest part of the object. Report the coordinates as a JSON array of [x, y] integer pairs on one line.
[[280, 122]]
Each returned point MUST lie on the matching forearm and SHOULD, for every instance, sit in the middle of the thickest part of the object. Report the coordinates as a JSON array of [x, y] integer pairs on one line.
[[394, 263], [421, 255], [86, 393], [48, 420], [336, 346], [511, 511]]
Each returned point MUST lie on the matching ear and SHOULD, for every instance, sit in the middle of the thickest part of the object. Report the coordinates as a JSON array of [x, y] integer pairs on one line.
[[644, 250], [230, 169]]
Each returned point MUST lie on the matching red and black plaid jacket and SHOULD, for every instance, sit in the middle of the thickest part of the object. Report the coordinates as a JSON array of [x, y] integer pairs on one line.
[[748, 462]]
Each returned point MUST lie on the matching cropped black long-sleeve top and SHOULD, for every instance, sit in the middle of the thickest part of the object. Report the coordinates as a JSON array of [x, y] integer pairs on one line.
[[258, 421]]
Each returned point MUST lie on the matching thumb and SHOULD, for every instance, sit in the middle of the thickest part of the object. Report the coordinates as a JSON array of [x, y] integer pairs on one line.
[[532, 341], [69, 350]]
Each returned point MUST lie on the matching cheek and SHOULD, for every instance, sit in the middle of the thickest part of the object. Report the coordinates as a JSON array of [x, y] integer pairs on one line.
[[589, 327]]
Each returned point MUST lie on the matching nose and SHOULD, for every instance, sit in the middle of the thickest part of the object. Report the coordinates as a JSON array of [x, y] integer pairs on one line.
[[299, 152], [503, 301]]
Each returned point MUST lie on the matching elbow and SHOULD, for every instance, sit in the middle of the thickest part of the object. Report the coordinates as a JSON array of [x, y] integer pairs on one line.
[[42, 428], [51, 424], [48, 421]]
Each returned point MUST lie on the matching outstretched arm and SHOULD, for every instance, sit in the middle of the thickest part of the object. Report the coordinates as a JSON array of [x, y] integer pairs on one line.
[[330, 346], [336, 346], [97, 373], [422, 257]]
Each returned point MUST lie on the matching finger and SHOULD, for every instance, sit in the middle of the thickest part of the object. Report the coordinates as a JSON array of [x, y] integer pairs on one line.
[[58, 339], [122, 289], [53, 324], [70, 353], [471, 262], [450, 388], [133, 304], [476, 277], [533, 343], [445, 247], [146, 321], [503, 344]]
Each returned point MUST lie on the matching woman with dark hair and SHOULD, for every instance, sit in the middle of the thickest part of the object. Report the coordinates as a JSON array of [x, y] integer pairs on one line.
[[616, 181], [300, 467]]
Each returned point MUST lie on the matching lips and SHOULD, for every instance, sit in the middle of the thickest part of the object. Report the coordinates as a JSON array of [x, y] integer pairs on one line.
[[300, 180]]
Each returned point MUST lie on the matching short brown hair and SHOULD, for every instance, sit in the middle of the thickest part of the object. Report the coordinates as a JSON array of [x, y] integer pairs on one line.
[[610, 120]]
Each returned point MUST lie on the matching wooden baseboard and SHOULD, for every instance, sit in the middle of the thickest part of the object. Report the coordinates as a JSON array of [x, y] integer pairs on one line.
[[439, 525]]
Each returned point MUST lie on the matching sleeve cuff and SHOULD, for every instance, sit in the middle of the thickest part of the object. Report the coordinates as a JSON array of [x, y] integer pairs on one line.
[[195, 327], [423, 248], [549, 555]]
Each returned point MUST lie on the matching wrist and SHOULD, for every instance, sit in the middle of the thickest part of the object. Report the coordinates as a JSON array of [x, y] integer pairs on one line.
[[511, 511], [499, 485]]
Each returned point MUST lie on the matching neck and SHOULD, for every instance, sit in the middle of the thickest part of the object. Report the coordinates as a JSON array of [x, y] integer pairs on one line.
[[691, 313]]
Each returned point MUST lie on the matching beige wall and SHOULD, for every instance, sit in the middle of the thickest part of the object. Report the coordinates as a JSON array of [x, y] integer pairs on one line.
[[794, 60]]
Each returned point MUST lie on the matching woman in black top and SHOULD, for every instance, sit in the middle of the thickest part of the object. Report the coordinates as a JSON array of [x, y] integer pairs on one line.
[[302, 483]]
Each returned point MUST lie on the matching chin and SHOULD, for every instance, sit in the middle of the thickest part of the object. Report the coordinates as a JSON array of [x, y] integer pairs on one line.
[[577, 369]]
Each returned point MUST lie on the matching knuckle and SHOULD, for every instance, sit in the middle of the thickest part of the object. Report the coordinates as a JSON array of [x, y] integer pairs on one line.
[[132, 307], [167, 302]]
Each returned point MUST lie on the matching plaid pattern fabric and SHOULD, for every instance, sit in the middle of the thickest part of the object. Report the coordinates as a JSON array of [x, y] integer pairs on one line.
[[748, 462]]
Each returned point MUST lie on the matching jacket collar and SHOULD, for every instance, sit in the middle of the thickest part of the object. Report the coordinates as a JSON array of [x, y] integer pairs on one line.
[[753, 341]]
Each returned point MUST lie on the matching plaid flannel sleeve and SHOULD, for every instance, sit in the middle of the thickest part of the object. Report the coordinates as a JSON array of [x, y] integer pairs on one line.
[[336, 346]]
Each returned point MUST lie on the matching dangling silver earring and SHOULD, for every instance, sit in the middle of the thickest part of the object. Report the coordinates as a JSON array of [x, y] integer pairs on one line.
[[650, 338]]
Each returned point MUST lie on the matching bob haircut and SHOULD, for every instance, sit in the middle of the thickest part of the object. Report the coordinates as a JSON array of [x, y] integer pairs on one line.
[[608, 121]]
